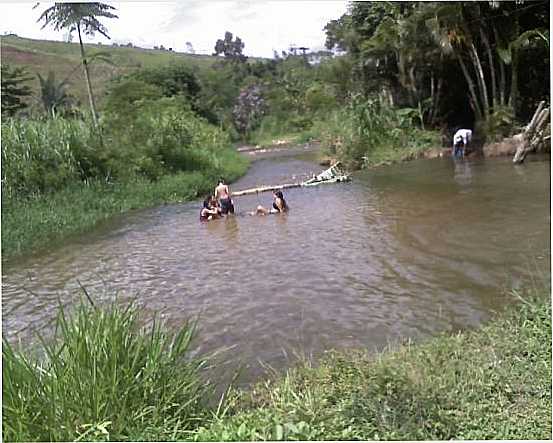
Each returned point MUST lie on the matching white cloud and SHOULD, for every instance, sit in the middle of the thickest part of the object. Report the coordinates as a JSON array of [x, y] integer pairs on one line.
[[262, 25]]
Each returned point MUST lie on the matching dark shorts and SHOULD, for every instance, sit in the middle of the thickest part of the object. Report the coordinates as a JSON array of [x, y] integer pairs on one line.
[[227, 206], [459, 149]]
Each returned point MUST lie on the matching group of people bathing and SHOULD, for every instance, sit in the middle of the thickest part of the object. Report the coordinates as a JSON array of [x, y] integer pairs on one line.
[[220, 204]]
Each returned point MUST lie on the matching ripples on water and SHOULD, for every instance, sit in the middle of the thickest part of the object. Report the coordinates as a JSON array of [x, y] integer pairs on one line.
[[405, 251]]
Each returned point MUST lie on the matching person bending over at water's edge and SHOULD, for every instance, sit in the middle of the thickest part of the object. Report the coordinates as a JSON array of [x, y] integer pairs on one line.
[[460, 141], [222, 193], [279, 205], [210, 211]]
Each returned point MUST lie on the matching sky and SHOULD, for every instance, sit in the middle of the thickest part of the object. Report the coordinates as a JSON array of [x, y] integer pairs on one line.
[[262, 25]]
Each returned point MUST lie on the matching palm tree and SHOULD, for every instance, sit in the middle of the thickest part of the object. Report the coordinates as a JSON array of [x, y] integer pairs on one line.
[[449, 25], [53, 94], [80, 17]]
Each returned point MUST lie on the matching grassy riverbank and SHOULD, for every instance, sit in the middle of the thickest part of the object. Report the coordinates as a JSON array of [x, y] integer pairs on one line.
[[62, 176], [493, 383], [32, 223], [368, 133], [113, 381]]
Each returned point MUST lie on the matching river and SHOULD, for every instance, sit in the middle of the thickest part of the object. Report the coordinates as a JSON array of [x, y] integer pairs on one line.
[[406, 251]]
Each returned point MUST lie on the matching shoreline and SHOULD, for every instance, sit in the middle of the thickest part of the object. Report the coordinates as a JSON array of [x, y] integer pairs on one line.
[[31, 225], [491, 382]]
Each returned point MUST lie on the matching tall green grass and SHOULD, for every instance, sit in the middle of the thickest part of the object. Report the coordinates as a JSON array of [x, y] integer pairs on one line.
[[104, 377], [153, 139], [62, 176], [44, 156], [368, 131]]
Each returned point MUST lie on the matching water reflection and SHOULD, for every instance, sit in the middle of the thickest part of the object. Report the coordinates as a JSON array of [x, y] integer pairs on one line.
[[463, 172]]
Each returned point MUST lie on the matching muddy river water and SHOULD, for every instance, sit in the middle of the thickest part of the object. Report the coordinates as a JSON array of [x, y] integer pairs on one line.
[[409, 250]]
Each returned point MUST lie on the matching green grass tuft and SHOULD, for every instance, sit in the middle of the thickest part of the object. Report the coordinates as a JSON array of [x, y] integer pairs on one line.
[[104, 377]]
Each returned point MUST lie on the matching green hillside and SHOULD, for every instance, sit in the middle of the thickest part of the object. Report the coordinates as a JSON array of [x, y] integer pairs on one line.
[[41, 56]]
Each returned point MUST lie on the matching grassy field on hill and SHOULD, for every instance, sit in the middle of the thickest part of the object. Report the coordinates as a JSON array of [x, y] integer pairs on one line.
[[42, 56]]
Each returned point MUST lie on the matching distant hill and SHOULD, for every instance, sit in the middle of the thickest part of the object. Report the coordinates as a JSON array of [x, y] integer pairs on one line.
[[41, 56]]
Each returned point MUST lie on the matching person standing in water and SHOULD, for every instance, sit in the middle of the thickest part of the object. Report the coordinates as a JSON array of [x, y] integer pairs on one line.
[[460, 141], [222, 193]]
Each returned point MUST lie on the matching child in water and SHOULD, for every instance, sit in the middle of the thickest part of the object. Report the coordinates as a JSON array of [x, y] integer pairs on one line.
[[279, 205], [210, 210]]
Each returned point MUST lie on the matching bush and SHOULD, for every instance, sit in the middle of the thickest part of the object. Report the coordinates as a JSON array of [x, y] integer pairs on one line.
[[43, 156], [139, 136]]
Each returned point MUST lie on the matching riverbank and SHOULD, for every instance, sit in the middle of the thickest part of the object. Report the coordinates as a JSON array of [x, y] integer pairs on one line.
[[389, 156], [490, 383], [29, 224]]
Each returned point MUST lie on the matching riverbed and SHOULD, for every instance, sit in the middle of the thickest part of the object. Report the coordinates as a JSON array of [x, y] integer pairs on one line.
[[402, 252]]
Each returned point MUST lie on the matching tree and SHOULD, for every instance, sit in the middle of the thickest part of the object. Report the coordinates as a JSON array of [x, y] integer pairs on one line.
[[80, 17], [232, 50], [249, 108], [189, 48], [13, 90], [53, 94]]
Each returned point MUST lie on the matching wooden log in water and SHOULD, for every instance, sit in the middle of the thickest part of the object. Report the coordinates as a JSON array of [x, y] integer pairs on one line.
[[334, 169], [264, 189]]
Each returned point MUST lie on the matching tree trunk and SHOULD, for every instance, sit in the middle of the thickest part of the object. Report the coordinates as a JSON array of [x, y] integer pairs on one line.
[[403, 77], [481, 81], [413, 82], [513, 98], [436, 102], [502, 82], [536, 134], [470, 82], [492, 67], [432, 97], [87, 78]]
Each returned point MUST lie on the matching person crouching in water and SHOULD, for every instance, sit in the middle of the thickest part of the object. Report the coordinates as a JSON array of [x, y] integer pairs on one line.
[[210, 211], [279, 205], [222, 193], [460, 141]]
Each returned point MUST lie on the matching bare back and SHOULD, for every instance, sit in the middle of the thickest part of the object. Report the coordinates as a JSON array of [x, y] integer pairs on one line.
[[222, 191]]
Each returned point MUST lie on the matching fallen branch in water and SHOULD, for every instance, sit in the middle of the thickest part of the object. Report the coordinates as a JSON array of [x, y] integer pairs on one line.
[[536, 135], [333, 174]]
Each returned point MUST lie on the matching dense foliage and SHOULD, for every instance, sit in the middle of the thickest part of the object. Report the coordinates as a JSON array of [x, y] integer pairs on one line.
[[416, 51], [150, 139]]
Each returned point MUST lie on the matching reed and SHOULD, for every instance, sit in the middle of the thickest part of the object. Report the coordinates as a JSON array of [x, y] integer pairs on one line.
[[104, 377], [43, 156]]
